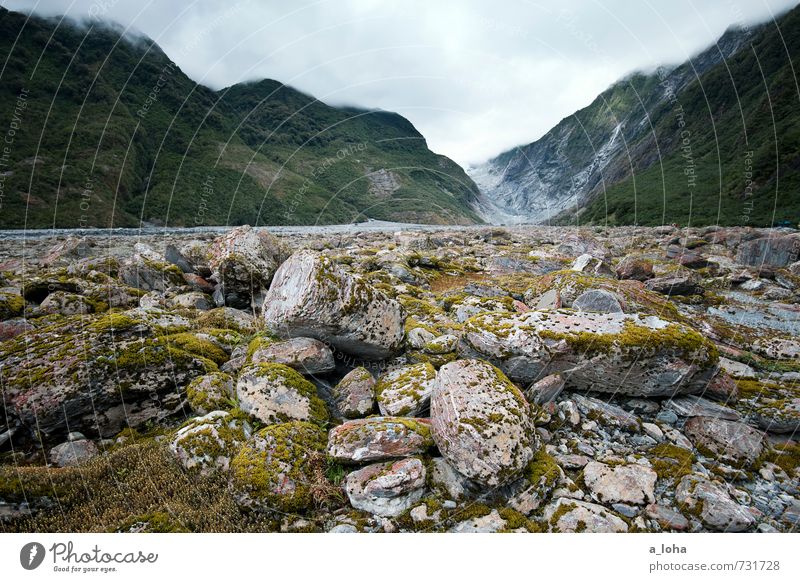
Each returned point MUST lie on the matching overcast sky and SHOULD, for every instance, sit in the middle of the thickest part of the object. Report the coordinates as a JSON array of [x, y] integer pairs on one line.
[[475, 77]]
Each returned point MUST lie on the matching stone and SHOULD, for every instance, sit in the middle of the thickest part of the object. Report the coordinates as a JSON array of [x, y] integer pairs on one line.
[[712, 504], [637, 269], [722, 387], [597, 301], [550, 299], [405, 391], [607, 413], [492, 522], [445, 478], [386, 489], [307, 355], [675, 285], [193, 300], [545, 390], [419, 337], [208, 443], [773, 251], [378, 438], [667, 518], [625, 354], [689, 406], [64, 303], [215, 391], [573, 515], [481, 422], [98, 374], [175, 257], [726, 440], [149, 274], [311, 296], [630, 483], [276, 469], [11, 328], [587, 263], [276, 393], [73, 453], [243, 261], [354, 395]]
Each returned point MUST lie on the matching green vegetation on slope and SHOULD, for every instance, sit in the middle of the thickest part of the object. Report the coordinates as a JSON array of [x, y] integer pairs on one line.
[[107, 131]]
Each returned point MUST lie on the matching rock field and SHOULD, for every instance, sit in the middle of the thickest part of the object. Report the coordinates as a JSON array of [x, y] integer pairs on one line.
[[486, 379]]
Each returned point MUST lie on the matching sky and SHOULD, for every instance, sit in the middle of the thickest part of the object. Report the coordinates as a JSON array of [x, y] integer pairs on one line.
[[475, 77]]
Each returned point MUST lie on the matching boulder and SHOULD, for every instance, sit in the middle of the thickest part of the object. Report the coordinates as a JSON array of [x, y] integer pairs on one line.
[[276, 469], [597, 301], [209, 442], [243, 262], [378, 438], [728, 441], [712, 504], [545, 390], [97, 375], [630, 483], [481, 422], [405, 391], [354, 395], [587, 263], [635, 268], [311, 296], [149, 274], [626, 354], [687, 284], [773, 251], [215, 391], [307, 355], [276, 393], [573, 515], [386, 489], [73, 452]]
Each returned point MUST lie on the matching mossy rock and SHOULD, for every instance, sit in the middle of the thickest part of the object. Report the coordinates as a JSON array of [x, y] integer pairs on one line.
[[209, 442], [11, 305], [211, 392], [278, 467], [277, 393]]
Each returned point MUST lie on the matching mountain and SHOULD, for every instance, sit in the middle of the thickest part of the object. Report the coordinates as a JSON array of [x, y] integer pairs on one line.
[[106, 130], [715, 140]]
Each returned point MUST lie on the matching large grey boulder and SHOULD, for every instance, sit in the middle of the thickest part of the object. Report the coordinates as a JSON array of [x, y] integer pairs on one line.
[[481, 422], [627, 354], [730, 441], [712, 504], [243, 262], [772, 251], [313, 297], [386, 489]]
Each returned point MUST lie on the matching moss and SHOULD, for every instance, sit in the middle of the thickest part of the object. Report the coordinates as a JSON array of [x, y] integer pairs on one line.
[[435, 360], [114, 323], [560, 512], [786, 456], [11, 305], [274, 468], [260, 340], [419, 307], [407, 383], [217, 318], [671, 462], [211, 392], [543, 469], [189, 342], [634, 340], [515, 521]]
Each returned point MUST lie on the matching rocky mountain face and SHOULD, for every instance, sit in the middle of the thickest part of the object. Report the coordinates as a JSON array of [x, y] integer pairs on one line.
[[106, 130], [528, 379], [712, 141]]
